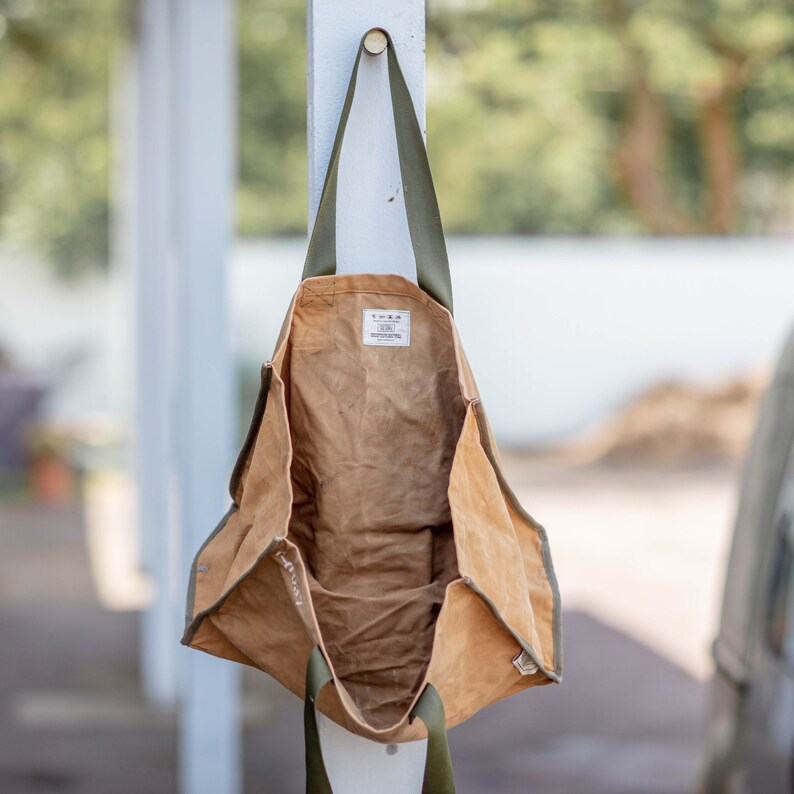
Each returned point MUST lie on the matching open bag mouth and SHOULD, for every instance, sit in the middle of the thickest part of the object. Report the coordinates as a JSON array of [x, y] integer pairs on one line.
[[368, 492]]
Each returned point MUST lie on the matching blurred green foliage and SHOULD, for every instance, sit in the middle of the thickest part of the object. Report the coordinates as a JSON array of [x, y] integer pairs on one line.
[[562, 117], [613, 116], [575, 116], [272, 196], [57, 68]]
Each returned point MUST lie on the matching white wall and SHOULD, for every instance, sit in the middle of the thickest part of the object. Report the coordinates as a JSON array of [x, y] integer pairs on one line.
[[558, 331]]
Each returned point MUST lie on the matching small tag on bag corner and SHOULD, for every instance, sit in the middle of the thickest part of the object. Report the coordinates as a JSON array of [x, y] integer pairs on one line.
[[386, 327], [524, 664]]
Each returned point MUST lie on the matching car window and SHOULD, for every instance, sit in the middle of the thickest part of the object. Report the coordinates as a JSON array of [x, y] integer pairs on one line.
[[780, 610], [780, 622]]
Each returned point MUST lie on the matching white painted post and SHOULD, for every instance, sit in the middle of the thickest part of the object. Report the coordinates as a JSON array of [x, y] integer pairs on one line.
[[372, 232], [203, 102], [372, 236], [154, 458]]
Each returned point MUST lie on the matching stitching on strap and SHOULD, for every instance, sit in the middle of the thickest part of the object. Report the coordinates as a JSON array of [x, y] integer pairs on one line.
[[438, 315], [322, 295]]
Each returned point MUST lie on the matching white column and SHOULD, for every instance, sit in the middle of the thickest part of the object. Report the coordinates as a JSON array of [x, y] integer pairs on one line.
[[372, 236], [154, 435], [372, 233], [204, 157]]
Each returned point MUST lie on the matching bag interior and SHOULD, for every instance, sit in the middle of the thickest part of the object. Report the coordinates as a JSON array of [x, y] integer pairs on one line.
[[374, 430]]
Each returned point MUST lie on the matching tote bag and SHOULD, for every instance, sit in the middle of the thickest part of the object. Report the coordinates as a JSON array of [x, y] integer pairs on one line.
[[374, 560]]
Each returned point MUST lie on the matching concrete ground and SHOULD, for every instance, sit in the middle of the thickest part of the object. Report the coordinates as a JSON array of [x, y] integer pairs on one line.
[[639, 557]]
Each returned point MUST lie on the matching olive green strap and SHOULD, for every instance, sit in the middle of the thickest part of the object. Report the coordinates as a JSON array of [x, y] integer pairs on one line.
[[421, 205], [438, 777], [318, 674]]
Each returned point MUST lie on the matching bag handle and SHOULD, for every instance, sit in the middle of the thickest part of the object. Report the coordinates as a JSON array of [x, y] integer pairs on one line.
[[438, 776], [421, 205]]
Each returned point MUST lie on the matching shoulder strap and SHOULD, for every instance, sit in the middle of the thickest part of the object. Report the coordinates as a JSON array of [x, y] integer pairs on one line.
[[438, 776], [421, 205]]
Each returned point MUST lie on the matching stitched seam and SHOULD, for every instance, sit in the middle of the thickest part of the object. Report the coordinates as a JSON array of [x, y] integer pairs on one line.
[[324, 294], [437, 315], [420, 300]]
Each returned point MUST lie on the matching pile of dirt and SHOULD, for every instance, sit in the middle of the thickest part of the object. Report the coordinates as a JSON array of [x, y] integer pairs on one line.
[[675, 423]]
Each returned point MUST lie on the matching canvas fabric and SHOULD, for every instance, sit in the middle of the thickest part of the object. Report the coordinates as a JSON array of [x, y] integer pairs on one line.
[[372, 535]]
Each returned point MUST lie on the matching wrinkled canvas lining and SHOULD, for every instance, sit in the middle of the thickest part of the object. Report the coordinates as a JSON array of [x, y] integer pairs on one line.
[[243, 599], [374, 431]]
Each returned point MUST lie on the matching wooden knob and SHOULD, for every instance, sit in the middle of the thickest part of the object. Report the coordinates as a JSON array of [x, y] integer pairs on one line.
[[375, 42]]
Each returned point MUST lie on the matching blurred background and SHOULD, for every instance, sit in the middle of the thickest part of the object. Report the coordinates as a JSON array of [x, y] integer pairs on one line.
[[617, 182]]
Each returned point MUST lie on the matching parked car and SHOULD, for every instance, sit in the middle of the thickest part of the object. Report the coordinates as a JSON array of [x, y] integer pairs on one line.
[[750, 739]]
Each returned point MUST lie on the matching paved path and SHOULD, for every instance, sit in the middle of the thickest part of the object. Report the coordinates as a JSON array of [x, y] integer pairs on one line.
[[628, 717]]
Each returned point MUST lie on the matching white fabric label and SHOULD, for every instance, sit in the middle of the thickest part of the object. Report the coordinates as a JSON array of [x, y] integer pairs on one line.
[[387, 327]]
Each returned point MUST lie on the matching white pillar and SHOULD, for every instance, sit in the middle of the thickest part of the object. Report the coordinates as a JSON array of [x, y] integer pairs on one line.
[[154, 454], [203, 154], [372, 233], [372, 236]]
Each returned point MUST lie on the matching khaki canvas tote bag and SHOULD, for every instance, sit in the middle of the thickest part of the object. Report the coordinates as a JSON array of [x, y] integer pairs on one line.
[[374, 559]]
